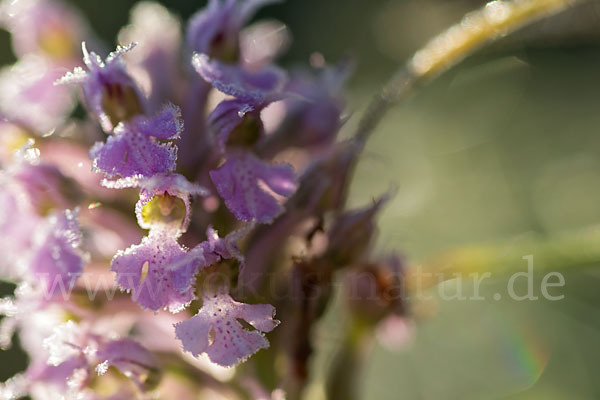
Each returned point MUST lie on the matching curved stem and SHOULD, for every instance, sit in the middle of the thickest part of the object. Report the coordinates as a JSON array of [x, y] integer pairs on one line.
[[496, 19]]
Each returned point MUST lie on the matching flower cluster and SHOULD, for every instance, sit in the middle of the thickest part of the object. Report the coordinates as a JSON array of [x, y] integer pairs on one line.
[[184, 135]]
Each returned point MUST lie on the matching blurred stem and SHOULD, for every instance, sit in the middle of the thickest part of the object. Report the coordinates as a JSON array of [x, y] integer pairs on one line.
[[556, 253], [476, 29], [343, 382]]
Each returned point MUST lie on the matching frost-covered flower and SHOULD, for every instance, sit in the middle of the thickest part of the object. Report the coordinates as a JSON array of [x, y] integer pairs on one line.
[[248, 185], [109, 92], [41, 236], [132, 359], [216, 331], [159, 271], [237, 122], [233, 167], [134, 150], [78, 348]]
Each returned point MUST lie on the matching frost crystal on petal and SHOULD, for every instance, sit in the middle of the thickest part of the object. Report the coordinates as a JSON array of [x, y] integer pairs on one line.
[[216, 331], [109, 91], [159, 271], [249, 186], [129, 357], [166, 124], [64, 343], [134, 152], [254, 88]]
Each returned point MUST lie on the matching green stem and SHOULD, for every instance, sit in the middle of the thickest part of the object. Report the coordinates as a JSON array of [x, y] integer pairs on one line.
[[476, 29], [555, 253]]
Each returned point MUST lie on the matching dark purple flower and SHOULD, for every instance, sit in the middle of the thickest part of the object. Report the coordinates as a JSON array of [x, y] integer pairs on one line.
[[351, 234]]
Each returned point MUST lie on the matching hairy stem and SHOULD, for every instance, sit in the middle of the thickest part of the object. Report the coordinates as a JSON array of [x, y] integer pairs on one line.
[[476, 29]]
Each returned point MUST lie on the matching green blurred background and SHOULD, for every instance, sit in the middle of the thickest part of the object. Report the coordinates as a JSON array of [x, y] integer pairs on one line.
[[502, 149]]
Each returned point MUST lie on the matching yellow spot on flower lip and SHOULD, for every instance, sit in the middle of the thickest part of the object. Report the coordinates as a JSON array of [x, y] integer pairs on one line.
[[144, 272], [164, 209]]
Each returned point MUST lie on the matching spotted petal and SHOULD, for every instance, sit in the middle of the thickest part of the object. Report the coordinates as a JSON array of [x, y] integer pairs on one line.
[[131, 154], [216, 331], [159, 271]]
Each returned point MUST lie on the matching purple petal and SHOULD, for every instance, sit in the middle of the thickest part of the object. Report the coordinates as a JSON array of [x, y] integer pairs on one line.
[[30, 97], [159, 271], [56, 374], [227, 247], [231, 114], [129, 357], [130, 154], [167, 124], [156, 59], [55, 255], [242, 181], [214, 21], [254, 88], [18, 222], [313, 111], [109, 91], [215, 330], [46, 187], [215, 29]]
